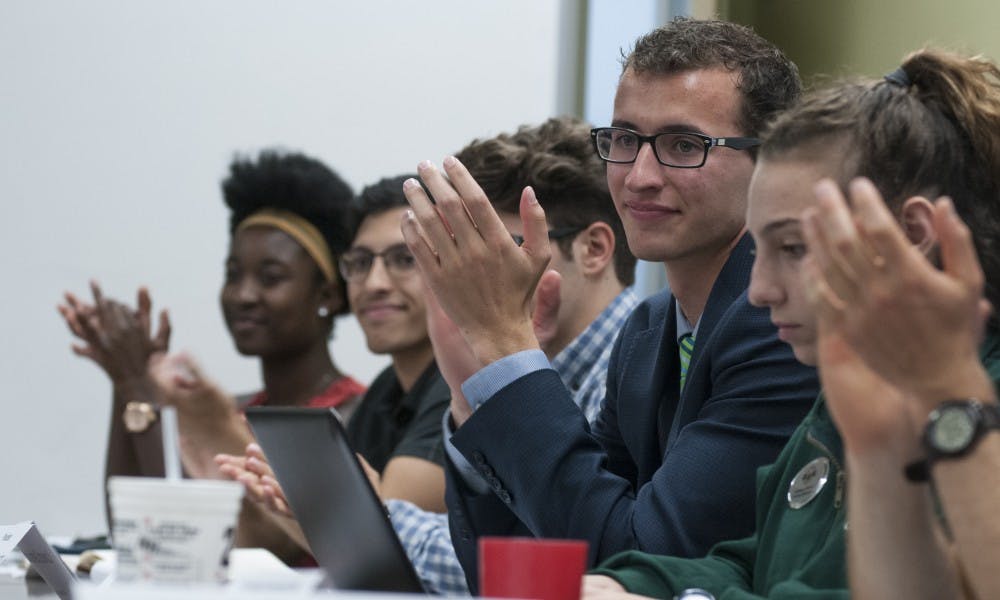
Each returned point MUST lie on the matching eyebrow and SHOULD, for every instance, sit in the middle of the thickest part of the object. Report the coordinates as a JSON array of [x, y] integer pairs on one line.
[[232, 261], [368, 248], [671, 128], [779, 224]]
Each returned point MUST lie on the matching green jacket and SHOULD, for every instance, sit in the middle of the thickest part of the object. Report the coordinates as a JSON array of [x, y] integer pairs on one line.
[[796, 553]]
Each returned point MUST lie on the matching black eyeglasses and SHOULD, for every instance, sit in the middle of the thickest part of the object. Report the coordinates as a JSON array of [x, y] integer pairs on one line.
[[556, 233], [356, 263], [679, 149]]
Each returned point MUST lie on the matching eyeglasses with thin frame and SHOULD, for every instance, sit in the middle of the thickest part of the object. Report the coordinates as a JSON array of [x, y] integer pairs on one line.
[[556, 233], [356, 263], [680, 149]]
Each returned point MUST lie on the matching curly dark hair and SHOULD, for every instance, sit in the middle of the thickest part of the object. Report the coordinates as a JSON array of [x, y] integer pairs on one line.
[[298, 184], [557, 159], [767, 79], [937, 134]]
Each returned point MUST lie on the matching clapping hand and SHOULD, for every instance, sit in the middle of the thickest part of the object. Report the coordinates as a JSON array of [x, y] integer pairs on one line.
[[115, 336], [481, 278], [892, 325], [254, 472]]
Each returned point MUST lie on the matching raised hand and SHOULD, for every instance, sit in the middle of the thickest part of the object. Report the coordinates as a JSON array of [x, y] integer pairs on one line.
[[870, 413], [184, 385], [482, 279], [115, 336], [453, 356], [918, 327], [207, 418]]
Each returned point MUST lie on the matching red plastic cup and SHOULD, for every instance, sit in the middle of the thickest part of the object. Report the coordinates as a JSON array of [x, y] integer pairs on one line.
[[531, 568]]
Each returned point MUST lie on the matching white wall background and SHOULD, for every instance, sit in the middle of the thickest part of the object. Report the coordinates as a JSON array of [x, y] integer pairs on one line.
[[611, 30], [117, 120]]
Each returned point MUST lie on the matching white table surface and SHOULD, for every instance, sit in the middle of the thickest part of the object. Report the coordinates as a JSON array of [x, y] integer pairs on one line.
[[252, 571]]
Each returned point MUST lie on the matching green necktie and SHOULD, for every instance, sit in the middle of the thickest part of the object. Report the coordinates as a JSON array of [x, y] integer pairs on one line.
[[685, 346]]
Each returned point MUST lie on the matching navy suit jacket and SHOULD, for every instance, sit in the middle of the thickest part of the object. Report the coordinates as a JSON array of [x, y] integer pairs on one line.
[[617, 485]]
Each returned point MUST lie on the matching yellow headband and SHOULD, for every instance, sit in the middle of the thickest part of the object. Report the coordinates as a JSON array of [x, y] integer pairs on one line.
[[304, 232]]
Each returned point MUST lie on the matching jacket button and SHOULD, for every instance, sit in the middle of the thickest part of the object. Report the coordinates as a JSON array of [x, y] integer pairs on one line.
[[504, 496], [486, 471], [478, 458]]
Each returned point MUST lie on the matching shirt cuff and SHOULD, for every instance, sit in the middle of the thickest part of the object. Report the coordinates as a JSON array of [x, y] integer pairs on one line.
[[466, 471], [499, 374]]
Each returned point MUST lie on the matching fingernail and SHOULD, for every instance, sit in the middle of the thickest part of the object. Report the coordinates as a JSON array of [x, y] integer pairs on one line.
[[425, 165], [410, 183], [450, 161], [409, 216], [532, 198], [862, 186]]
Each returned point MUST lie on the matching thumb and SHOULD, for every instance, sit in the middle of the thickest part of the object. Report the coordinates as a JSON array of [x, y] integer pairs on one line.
[[547, 299], [958, 251], [544, 317]]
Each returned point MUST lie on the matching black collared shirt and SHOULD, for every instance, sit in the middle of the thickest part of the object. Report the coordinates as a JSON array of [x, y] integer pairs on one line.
[[389, 423]]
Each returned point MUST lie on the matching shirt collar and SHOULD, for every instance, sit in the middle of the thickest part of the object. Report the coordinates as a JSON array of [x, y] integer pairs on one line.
[[684, 326]]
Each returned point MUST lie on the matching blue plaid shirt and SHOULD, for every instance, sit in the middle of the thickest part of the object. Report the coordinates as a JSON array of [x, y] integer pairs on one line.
[[583, 364], [583, 367]]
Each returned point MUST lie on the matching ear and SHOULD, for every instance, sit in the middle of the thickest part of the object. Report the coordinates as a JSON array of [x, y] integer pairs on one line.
[[331, 296], [917, 219], [594, 248]]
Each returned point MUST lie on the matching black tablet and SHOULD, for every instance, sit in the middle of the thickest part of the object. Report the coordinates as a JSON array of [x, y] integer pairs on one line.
[[342, 518]]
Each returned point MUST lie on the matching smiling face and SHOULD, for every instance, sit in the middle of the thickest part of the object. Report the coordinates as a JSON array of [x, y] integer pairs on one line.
[[780, 190], [389, 306], [670, 213], [272, 294]]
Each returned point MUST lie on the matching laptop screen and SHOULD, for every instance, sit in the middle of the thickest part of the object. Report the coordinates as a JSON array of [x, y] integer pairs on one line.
[[343, 519]]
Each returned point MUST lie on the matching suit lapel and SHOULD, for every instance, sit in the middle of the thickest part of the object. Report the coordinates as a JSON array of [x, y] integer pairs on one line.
[[669, 392], [647, 368], [732, 281]]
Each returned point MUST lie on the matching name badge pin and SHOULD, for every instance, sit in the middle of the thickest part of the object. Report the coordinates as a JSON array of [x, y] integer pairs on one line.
[[808, 482]]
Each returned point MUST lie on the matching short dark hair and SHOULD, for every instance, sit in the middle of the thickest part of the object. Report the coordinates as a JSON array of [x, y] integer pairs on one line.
[[296, 183], [937, 134], [383, 195], [557, 159], [767, 79]]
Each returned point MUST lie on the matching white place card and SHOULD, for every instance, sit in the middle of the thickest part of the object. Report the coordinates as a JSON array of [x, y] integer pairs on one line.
[[26, 538]]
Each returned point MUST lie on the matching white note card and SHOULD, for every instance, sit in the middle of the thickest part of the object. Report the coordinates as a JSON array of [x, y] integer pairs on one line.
[[26, 538]]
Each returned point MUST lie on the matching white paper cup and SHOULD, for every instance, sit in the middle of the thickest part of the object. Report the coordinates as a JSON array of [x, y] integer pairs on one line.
[[173, 531]]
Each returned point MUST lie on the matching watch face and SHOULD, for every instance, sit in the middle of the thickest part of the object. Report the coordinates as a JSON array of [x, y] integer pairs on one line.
[[138, 416], [953, 430]]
